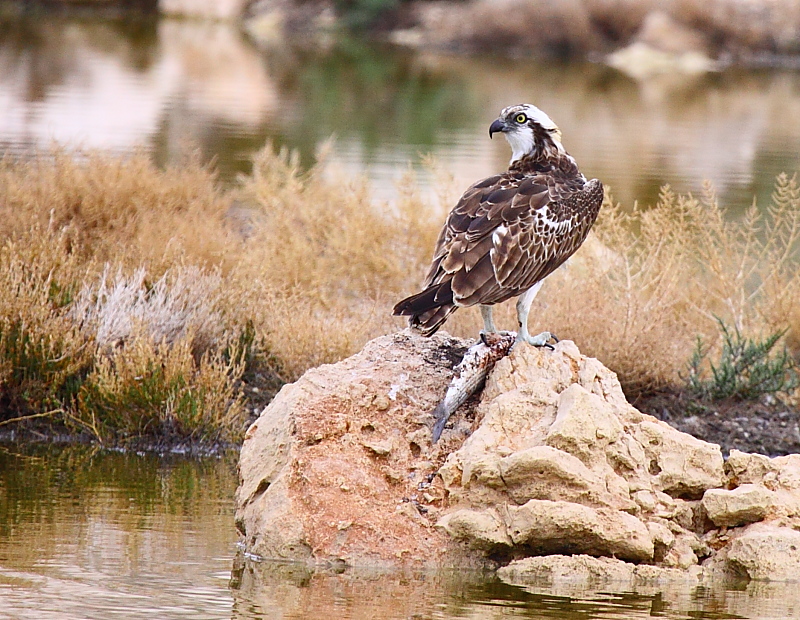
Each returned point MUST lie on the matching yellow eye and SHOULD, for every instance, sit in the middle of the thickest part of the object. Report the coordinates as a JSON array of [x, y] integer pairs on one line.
[[521, 118]]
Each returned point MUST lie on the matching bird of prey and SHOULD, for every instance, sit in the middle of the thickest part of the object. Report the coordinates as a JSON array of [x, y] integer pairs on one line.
[[510, 231]]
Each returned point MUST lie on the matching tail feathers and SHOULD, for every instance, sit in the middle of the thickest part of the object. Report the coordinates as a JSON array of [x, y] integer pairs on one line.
[[428, 310]]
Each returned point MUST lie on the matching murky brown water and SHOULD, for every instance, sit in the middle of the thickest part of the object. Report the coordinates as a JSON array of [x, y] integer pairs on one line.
[[87, 534], [170, 86]]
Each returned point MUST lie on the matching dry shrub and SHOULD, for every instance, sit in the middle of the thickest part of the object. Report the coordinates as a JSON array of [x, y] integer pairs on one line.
[[185, 302], [69, 325], [330, 237], [154, 336], [149, 389], [325, 266], [657, 279], [43, 354], [324, 263], [118, 209]]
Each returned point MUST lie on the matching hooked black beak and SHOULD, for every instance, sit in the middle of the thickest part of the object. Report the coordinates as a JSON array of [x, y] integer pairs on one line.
[[496, 126]]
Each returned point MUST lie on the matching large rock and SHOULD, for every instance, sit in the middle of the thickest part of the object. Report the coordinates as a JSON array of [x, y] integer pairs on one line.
[[780, 475], [745, 504], [576, 468], [337, 467], [765, 552], [566, 527], [550, 459]]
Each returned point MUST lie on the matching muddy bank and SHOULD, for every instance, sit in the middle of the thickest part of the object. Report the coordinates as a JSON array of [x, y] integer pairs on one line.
[[683, 35], [766, 426]]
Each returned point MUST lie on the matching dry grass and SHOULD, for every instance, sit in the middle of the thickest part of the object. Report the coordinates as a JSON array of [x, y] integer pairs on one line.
[[122, 210], [74, 337], [322, 270], [152, 389], [184, 304], [135, 306], [333, 263], [675, 269]]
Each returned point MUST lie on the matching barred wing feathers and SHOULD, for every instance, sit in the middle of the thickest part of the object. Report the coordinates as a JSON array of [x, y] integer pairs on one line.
[[506, 233]]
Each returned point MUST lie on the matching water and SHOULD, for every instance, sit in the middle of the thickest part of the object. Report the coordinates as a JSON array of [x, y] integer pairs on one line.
[[87, 534], [171, 86]]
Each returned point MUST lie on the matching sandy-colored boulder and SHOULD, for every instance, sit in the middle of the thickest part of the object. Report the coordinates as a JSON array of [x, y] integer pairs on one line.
[[558, 440], [766, 552], [575, 569], [584, 426], [780, 475], [547, 527], [745, 504], [680, 464], [543, 472], [335, 468], [664, 45], [481, 529], [663, 32], [549, 461]]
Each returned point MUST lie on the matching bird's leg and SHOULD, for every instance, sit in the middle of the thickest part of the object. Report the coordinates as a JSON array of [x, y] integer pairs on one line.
[[524, 302], [488, 321]]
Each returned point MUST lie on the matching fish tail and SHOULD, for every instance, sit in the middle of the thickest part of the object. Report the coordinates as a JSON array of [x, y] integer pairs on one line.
[[440, 415]]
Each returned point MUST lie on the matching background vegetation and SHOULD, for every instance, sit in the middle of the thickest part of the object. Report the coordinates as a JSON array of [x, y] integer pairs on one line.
[[142, 303]]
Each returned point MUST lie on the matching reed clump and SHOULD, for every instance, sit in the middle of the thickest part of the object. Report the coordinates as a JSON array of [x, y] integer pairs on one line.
[[146, 303], [156, 389]]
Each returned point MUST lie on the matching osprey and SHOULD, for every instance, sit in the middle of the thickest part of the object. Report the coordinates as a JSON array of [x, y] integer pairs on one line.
[[510, 231]]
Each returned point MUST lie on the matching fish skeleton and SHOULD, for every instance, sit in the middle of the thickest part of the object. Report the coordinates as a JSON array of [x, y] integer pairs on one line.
[[470, 375]]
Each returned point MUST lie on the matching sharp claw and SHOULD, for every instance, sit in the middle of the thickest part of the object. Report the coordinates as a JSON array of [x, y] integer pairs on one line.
[[483, 338], [540, 340], [554, 337]]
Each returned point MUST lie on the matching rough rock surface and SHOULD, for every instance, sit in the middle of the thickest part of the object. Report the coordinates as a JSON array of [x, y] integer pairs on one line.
[[745, 504], [549, 469], [339, 465], [565, 465]]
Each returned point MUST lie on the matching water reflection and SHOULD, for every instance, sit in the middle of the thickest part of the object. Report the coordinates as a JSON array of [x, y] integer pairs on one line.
[[290, 591], [97, 535], [173, 85], [88, 534]]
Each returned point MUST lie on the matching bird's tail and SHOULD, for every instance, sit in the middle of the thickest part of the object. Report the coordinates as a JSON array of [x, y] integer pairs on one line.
[[428, 310]]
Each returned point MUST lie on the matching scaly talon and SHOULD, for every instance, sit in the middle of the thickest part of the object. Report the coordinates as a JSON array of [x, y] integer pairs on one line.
[[539, 340]]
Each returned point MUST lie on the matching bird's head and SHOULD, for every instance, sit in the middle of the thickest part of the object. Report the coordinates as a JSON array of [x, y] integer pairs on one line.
[[528, 130]]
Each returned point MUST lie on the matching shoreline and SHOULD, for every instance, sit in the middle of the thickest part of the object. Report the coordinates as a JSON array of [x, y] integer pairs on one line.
[[765, 426], [639, 37]]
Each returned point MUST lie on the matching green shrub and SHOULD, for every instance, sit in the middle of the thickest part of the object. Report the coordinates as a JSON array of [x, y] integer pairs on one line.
[[158, 391], [360, 14], [746, 368]]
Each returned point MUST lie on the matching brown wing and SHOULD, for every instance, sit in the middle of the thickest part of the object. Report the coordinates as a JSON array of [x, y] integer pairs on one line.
[[510, 231]]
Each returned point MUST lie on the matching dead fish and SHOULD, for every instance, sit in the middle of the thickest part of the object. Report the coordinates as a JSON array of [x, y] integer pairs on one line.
[[470, 375]]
